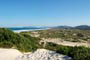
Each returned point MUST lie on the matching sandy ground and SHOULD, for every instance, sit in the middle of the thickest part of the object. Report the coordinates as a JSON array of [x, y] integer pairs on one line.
[[66, 43], [39, 54], [9, 54]]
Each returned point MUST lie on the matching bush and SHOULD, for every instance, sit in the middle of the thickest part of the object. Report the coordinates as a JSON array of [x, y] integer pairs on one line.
[[77, 53], [25, 43], [80, 53]]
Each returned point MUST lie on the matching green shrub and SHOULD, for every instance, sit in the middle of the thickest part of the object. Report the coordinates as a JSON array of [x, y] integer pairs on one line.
[[77, 53], [25, 43], [80, 53]]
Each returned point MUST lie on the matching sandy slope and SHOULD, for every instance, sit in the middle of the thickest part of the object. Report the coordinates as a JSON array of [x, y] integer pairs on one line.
[[40, 54], [9, 54]]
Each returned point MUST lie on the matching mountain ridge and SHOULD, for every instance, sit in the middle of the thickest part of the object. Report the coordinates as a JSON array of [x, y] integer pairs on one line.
[[82, 27]]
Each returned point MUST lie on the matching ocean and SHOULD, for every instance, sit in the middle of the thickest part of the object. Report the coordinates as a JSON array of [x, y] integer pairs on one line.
[[18, 31]]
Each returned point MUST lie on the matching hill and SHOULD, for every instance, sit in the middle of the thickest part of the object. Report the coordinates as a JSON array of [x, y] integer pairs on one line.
[[23, 42], [81, 27], [64, 27]]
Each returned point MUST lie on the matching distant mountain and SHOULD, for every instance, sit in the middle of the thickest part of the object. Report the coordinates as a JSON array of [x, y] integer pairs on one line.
[[83, 27], [64, 27]]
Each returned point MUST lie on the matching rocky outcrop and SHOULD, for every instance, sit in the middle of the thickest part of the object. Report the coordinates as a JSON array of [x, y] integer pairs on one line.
[[43, 54]]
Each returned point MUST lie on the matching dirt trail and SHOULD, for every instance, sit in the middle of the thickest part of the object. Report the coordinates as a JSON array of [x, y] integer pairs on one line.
[[66, 43]]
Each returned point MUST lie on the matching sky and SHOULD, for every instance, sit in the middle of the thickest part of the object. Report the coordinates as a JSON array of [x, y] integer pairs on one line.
[[44, 12]]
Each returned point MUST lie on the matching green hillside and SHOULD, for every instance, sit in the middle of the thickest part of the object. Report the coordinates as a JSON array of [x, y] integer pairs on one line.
[[23, 42]]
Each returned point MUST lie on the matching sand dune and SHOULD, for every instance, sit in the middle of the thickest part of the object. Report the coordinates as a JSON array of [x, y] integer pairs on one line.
[[9, 54], [40, 54]]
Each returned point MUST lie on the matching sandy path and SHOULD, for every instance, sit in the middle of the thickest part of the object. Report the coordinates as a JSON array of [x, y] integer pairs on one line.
[[66, 43], [9, 54]]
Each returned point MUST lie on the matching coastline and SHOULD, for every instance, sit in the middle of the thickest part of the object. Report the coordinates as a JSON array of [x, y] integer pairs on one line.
[[18, 31]]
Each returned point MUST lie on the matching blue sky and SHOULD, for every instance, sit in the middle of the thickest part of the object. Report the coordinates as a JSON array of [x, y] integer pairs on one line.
[[44, 12]]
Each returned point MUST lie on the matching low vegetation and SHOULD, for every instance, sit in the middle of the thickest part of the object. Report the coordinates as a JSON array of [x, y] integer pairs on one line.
[[23, 42], [77, 53], [73, 35]]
